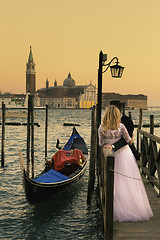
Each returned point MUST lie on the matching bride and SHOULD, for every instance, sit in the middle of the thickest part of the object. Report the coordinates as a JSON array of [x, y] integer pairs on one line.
[[130, 198]]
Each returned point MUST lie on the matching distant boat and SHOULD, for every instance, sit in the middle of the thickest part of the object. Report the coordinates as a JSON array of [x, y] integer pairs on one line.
[[15, 114]]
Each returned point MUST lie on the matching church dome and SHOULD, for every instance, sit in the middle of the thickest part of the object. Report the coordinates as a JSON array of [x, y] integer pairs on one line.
[[69, 82]]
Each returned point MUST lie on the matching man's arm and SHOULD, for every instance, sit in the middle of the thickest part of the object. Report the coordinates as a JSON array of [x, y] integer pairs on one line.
[[130, 127], [119, 144]]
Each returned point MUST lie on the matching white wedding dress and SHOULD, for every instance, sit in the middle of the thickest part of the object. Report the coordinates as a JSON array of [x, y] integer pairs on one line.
[[130, 198]]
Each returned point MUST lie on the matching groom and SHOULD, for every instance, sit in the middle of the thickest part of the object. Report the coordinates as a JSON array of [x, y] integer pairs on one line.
[[130, 128]]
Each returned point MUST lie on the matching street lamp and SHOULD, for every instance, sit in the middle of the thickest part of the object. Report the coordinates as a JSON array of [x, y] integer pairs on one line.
[[116, 72]]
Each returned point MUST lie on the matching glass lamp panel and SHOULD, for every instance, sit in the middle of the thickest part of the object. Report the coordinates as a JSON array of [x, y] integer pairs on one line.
[[116, 71]]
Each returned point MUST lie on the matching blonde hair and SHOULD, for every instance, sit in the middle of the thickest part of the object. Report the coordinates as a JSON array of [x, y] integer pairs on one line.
[[111, 118]]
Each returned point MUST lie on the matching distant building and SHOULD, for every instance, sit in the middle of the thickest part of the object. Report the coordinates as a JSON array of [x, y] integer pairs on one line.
[[130, 101], [89, 98], [12, 100], [30, 74], [68, 95]]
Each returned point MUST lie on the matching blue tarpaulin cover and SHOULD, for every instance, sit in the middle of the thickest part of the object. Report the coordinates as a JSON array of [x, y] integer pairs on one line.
[[51, 177]]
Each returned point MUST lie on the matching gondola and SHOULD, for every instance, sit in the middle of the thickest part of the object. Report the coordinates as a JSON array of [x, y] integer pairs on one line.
[[65, 168]]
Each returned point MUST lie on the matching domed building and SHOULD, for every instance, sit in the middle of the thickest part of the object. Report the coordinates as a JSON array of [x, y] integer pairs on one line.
[[68, 95], [69, 82]]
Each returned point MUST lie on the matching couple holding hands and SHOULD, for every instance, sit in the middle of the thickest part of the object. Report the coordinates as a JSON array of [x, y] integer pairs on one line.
[[130, 198]]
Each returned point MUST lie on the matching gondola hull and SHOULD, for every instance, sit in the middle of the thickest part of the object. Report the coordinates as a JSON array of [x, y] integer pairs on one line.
[[37, 191]]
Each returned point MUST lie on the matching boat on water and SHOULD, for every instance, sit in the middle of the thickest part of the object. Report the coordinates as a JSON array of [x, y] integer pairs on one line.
[[64, 169], [15, 114]]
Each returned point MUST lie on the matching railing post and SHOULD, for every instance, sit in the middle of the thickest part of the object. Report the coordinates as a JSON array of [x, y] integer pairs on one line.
[[140, 118], [108, 193], [152, 124]]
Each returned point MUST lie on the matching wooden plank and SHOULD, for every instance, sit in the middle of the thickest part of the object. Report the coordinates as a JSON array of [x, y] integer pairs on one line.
[[141, 230]]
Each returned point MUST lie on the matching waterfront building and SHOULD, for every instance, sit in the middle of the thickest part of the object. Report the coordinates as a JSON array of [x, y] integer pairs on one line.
[[89, 97], [130, 101], [58, 102], [68, 95], [12, 100], [30, 74]]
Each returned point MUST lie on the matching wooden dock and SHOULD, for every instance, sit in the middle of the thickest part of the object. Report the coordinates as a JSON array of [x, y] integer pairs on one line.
[[148, 146], [145, 230]]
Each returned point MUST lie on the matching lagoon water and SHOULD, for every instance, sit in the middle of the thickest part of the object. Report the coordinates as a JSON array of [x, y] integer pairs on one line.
[[67, 217]]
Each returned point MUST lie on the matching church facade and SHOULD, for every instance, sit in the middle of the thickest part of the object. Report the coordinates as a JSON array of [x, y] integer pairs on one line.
[[68, 95]]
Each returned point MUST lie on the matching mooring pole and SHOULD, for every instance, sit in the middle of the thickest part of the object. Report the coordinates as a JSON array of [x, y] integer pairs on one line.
[[93, 156], [32, 136], [139, 127], [152, 124], [3, 134], [46, 129], [28, 133]]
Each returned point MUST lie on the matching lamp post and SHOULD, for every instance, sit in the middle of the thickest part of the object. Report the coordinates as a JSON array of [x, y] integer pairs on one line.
[[116, 72]]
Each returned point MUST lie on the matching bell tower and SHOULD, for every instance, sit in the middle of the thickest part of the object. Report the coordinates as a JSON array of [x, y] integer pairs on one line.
[[30, 74]]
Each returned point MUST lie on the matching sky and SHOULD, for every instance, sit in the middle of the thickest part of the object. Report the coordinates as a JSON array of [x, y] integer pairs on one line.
[[67, 36]]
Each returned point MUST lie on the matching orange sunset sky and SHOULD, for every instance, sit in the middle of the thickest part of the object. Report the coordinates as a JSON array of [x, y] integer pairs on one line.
[[67, 35]]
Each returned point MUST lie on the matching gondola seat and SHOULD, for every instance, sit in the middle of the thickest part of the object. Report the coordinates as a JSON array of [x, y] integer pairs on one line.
[[51, 176], [62, 158]]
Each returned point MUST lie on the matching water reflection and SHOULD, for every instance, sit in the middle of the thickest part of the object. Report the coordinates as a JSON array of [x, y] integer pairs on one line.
[[66, 217]]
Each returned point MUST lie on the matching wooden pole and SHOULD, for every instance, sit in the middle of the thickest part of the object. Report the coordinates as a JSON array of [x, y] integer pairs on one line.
[[93, 155], [109, 199], [3, 134], [32, 137], [108, 188], [46, 130], [99, 96], [152, 124], [28, 134], [140, 118], [139, 127], [151, 164]]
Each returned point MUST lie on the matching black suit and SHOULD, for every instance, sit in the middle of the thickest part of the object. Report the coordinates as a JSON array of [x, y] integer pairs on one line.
[[130, 128]]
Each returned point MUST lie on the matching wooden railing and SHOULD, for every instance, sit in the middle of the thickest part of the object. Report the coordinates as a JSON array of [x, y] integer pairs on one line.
[[149, 161], [148, 145], [106, 186], [101, 164]]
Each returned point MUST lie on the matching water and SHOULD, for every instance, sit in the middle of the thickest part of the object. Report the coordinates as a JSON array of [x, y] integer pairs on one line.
[[66, 217]]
